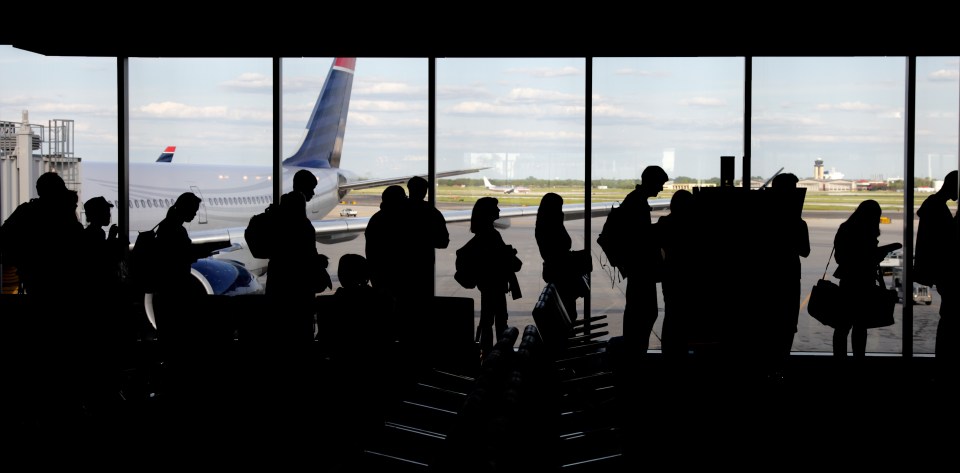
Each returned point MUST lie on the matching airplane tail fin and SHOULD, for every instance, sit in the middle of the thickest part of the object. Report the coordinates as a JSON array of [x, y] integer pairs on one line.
[[486, 183], [322, 140], [167, 155]]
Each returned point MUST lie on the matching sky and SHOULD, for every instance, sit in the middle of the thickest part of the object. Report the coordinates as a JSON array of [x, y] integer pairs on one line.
[[519, 116]]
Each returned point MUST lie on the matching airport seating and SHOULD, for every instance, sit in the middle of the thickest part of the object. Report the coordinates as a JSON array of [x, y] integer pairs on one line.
[[433, 369], [570, 411], [559, 332], [575, 345], [482, 435]]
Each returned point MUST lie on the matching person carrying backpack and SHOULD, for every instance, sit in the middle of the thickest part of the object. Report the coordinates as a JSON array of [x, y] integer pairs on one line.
[[642, 263]]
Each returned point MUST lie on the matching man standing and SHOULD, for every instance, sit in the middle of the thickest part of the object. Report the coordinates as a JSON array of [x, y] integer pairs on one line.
[[297, 272], [430, 233], [935, 263], [643, 263]]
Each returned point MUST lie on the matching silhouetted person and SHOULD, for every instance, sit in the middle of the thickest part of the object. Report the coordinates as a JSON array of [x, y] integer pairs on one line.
[[175, 283], [643, 263], [42, 239], [561, 266], [360, 340], [296, 272], [428, 233], [858, 258], [494, 264], [387, 245], [936, 264], [792, 242], [357, 296], [677, 230], [101, 256], [102, 251], [108, 329]]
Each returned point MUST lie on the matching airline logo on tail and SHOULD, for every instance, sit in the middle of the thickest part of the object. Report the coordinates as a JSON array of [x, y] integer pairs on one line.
[[322, 140], [167, 155]]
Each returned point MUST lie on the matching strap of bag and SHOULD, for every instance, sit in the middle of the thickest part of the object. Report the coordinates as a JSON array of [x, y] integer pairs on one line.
[[828, 263]]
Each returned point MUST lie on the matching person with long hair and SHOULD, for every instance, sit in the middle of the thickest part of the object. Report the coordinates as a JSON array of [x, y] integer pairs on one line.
[[858, 257], [495, 264], [561, 266]]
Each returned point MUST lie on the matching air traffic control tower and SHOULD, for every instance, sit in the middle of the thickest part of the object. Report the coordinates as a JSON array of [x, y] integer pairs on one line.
[[818, 169]]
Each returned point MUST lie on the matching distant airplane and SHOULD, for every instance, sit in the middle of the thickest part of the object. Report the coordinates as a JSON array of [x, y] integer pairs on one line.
[[504, 189], [167, 155]]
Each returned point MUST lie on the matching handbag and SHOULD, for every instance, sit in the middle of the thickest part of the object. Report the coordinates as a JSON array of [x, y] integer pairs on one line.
[[824, 303], [883, 303]]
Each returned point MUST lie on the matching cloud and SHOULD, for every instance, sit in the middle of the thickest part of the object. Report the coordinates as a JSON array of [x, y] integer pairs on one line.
[[548, 72], [944, 75], [302, 83], [368, 87], [613, 111], [71, 108], [462, 92], [850, 107], [704, 102], [513, 134], [530, 110], [175, 110], [385, 106], [634, 72], [527, 94], [249, 82]]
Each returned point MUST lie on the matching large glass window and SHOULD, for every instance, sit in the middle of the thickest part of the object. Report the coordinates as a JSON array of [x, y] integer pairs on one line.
[[936, 155], [66, 108], [522, 122], [200, 125], [681, 114], [385, 136], [837, 124]]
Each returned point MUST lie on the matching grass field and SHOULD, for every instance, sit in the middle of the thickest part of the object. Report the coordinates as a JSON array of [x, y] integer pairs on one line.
[[889, 200]]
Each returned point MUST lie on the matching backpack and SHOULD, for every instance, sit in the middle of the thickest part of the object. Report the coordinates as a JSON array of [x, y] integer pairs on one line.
[[261, 232], [145, 261], [614, 237], [467, 267]]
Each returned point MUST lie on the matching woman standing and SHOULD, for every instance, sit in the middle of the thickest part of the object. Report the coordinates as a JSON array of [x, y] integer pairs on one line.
[[858, 258], [561, 266], [492, 266]]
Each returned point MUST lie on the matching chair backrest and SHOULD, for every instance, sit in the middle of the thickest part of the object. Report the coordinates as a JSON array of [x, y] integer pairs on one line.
[[551, 317]]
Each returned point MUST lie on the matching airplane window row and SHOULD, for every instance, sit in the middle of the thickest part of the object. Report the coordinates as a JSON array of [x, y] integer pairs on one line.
[[223, 201], [215, 201]]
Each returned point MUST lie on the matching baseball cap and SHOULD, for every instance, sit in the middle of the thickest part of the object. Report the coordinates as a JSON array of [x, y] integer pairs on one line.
[[96, 203]]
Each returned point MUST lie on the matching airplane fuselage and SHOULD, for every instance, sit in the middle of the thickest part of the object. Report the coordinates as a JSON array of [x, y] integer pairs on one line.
[[230, 195]]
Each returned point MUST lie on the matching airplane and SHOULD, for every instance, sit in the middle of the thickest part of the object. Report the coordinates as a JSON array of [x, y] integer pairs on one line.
[[504, 189], [167, 155]]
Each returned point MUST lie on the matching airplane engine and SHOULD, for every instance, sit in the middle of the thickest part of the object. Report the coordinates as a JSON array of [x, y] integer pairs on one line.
[[225, 277], [217, 277]]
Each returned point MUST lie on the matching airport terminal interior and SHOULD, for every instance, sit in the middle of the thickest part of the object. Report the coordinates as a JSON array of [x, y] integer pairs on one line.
[[220, 388]]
